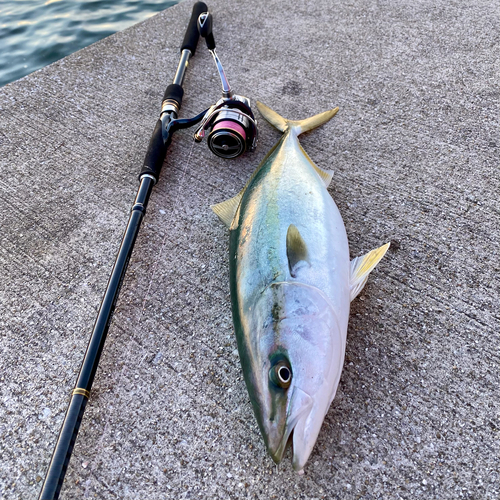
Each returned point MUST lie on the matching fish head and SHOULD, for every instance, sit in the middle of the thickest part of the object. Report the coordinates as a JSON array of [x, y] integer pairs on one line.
[[293, 377]]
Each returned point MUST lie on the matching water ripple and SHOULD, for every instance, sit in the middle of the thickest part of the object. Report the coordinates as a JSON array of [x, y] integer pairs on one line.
[[34, 33]]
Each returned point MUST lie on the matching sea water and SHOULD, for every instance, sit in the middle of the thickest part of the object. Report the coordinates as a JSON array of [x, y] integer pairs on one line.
[[34, 33]]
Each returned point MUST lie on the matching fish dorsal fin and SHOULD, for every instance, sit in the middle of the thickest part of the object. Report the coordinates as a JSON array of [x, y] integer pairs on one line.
[[362, 266], [326, 175], [296, 250], [298, 126], [226, 210]]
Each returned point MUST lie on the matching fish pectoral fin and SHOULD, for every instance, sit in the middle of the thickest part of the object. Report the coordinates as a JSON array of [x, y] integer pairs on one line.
[[362, 266], [296, 250], [226, 210]]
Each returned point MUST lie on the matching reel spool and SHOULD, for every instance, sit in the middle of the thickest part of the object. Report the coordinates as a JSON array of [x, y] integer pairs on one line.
[[228, 136], [231, 128]]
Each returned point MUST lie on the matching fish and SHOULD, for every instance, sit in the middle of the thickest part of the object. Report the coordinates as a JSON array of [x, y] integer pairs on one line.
[[291, 283]]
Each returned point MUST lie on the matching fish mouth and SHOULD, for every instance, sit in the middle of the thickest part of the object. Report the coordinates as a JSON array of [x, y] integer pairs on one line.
[[299, 414], [302, 446], [277, 449]]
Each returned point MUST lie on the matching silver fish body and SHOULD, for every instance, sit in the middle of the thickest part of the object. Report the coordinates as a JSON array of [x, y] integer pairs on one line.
[[291, 282]]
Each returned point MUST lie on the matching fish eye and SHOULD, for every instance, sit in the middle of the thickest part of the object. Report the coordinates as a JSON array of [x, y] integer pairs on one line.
[[284, 375], [281, 375]]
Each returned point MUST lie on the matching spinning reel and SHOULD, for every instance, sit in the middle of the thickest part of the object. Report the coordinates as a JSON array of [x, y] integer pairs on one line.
[[229, 124]]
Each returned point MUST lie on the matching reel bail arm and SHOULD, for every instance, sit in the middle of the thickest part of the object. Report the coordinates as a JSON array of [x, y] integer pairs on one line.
[[205, 29]]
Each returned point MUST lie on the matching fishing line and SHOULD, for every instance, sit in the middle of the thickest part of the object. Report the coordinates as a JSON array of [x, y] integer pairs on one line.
[[139, 323], [177, 204], [176, 210]]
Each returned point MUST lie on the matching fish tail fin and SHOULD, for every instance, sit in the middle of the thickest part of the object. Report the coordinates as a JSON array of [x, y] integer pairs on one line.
[[298, 126]]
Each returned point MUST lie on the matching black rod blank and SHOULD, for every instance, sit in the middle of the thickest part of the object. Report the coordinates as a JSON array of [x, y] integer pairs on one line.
[[149, 175]]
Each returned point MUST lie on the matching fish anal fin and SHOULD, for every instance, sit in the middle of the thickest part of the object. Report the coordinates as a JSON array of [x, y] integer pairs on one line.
[[296, 250], [362, 266], [226, 210], [326, 175]]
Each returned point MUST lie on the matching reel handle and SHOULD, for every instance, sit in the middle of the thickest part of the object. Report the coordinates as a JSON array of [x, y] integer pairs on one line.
[[205, 29], [192, 34]]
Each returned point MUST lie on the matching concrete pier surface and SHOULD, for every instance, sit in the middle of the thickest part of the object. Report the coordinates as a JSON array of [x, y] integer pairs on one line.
[[415, 154]]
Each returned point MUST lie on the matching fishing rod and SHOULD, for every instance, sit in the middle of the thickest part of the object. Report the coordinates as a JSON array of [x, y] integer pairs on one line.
[[232, 130]]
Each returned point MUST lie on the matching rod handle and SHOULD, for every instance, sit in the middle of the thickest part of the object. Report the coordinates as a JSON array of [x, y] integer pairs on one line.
[[175, 92], [155, 154], [191, 37], [205, 28]]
